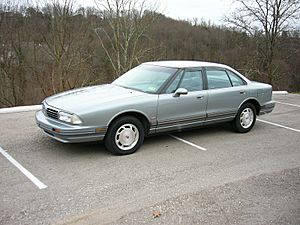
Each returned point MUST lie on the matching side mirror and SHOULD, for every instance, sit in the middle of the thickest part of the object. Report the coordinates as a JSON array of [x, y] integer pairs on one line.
[[180, 91]]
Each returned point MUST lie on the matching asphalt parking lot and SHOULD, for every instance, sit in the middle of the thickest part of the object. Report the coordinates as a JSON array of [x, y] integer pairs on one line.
[[205, 176]]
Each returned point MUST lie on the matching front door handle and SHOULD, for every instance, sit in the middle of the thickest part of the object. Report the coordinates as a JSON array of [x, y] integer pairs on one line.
[[200, 97]]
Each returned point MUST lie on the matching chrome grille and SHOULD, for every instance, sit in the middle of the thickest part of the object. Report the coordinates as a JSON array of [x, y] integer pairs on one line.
[[52, 113]]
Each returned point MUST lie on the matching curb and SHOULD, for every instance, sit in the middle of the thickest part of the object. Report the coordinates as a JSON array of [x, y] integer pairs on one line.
[[20, 109], [279, 92]]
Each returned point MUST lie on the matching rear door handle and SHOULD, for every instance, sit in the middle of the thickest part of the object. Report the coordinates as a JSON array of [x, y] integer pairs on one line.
[[200, 97], [242, 92]]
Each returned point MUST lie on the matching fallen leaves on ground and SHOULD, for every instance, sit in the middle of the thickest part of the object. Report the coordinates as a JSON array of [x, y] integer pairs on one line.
[[156, 214]]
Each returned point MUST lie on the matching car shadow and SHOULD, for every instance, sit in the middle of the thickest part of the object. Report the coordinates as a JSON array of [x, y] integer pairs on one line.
[[87, 148], [81, 149], [98, 148]]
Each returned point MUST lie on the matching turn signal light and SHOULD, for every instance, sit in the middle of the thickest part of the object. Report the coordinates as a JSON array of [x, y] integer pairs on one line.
[[99, 130]]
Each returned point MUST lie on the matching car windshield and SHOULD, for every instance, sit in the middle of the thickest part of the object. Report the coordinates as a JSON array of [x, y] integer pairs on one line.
[[146, 78]]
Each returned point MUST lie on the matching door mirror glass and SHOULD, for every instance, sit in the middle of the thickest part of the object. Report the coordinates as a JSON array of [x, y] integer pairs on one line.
[[180, 91]]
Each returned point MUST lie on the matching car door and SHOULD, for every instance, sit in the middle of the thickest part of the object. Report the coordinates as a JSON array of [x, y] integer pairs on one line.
[[226, 92], [177, 112]]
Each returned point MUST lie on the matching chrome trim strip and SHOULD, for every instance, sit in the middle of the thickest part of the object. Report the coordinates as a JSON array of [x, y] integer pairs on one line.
[[231, 112], [181, 120], [220, 119], [180, 124], [191, 120]]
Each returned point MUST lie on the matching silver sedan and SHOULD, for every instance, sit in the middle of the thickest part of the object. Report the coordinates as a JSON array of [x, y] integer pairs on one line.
[[155, 97]]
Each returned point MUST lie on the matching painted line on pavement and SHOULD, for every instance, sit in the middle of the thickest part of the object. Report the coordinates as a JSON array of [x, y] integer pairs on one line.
[[283, 103], [278, 125], [29, 175], [187, 142]]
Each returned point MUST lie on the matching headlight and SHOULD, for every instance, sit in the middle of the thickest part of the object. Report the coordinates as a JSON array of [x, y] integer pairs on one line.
[[69, 118]]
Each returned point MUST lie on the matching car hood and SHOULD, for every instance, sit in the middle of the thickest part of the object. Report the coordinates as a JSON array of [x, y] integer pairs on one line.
[[79, 100]]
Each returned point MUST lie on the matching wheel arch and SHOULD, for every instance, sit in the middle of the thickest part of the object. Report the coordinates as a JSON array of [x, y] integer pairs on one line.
[[137, 114], [254, 102]]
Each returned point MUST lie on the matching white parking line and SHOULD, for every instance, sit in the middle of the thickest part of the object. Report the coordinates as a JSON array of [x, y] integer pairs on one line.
[[283, 103], [29, 175], [278, 125], [187, 142]]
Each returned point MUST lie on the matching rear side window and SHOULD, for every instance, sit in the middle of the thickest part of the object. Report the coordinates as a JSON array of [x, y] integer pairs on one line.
[[217, 79], [235, 79]]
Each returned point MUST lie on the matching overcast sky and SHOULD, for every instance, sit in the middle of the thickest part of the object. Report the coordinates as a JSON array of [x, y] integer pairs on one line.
[[212, 10]]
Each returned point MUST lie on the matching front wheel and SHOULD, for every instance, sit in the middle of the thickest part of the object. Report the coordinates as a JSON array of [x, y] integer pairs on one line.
[[245, 118], [125, 135]]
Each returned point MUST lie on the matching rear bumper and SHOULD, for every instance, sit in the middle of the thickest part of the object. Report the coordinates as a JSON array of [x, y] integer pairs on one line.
[[267, 108], [67, 133]]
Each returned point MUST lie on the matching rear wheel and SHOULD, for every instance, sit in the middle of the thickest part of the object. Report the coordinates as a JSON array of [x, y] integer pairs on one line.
[[125, 135], [245, 118]]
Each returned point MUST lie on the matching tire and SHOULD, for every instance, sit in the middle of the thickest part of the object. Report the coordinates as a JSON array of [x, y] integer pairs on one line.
[[245, 118], [124, 136]]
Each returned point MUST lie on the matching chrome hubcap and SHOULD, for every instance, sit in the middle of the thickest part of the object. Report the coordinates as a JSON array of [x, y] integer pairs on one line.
[[127, 137], [246, 118]]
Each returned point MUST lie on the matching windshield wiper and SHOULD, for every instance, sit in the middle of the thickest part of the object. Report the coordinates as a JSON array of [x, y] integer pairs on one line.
[[131, 88]]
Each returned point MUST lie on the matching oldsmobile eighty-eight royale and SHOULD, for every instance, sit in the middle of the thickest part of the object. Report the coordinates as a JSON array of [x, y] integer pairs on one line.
[[155, 97]]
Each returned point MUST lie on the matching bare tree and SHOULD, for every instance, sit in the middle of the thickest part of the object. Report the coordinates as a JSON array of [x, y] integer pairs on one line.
[[123, 32], [269, 18], [63, 40], [12, 67]]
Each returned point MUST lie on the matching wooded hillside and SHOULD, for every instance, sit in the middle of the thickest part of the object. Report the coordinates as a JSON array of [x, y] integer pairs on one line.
[[59, 47]]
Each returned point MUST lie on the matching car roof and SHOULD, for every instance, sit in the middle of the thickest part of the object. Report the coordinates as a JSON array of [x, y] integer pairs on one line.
[[192, 64], [185, 64]]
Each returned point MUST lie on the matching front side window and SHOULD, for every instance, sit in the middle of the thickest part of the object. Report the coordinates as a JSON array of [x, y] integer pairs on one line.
[[217, 79], [145, 78], [192, 81], [173, 86]]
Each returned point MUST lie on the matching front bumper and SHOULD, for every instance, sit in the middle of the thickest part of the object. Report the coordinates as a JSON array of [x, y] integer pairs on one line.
[[67, 133], [267, 108]]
